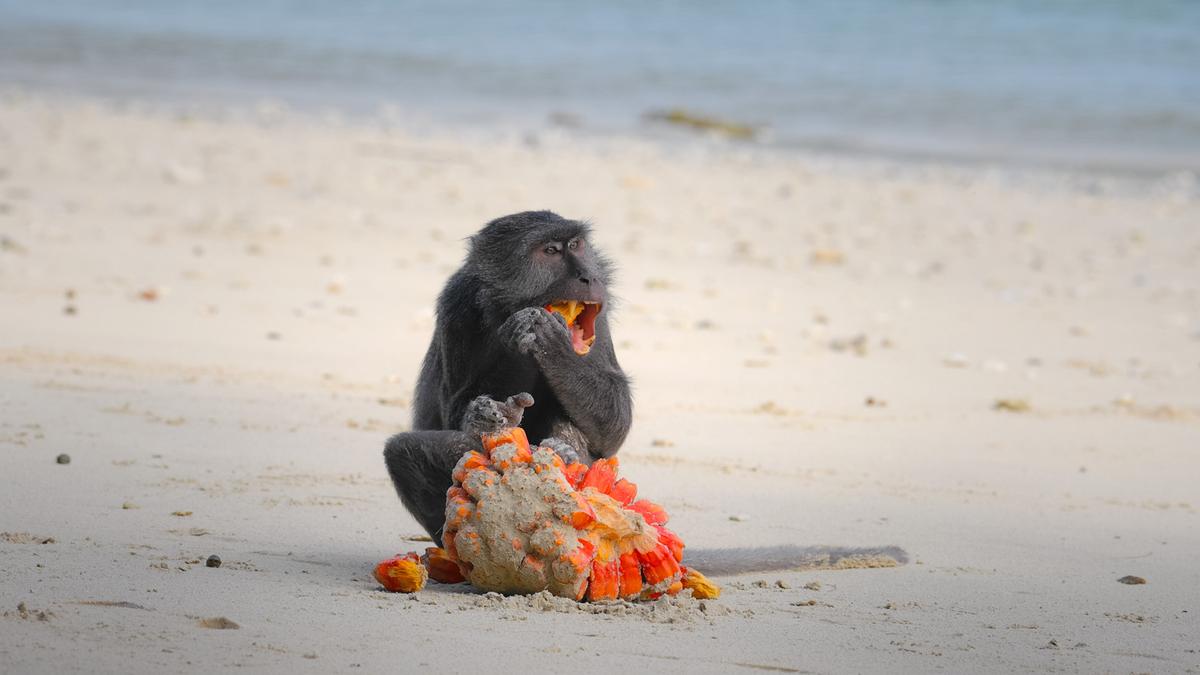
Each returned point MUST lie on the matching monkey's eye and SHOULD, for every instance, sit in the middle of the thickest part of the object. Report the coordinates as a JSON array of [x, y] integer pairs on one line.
[[552, 249], [575, 244]]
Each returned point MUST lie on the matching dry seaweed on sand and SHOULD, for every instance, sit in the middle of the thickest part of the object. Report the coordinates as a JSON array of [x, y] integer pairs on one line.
[[703, 123]]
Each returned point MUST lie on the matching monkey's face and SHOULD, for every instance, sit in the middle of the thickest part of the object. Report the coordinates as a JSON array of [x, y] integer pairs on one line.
[[540, 259], [576, 288]]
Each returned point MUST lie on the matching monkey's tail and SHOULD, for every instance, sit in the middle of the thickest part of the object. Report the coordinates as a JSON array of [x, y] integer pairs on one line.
[[728, 561]]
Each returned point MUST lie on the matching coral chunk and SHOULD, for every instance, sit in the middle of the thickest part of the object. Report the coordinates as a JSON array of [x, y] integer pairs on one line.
[[630, 581], [602, 584], [623, 491], [574, 473], [600, 475], [702, 588], [584, 515], [672, 541], [514, 435], [520, 521], [658, 564], [653, 513], [442, 568], [403, 573]]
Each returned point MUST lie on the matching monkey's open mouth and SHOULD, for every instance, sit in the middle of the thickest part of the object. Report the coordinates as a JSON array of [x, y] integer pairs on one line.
[[581, 319]]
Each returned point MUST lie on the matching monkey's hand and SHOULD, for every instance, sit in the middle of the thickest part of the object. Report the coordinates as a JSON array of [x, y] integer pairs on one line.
[[536, 332], [486, 416]]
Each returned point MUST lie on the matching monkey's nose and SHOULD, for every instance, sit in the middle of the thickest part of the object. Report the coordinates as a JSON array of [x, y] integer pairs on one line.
[[585, 280]]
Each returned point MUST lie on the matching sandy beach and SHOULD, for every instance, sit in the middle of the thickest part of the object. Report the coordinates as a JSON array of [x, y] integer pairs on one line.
[[219, 318]]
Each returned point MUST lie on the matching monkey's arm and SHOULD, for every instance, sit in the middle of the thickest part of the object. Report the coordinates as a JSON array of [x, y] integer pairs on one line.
[[595, 397], [592, 389]]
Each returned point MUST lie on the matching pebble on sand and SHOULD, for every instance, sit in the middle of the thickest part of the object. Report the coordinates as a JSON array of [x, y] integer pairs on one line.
[[1015, 405], [1131, 580], [63, 459]]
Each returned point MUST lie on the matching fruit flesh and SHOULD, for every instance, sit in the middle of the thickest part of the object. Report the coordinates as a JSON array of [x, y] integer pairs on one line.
[[403, 573], [519, 521], [442, 568], [701, 587], [571, 310]]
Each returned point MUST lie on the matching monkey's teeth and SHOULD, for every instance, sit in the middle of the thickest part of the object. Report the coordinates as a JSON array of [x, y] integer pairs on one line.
[[569, 309]]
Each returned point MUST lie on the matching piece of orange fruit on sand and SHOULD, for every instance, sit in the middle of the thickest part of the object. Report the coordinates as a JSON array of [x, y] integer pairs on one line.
[[404, 573], [518, 521]]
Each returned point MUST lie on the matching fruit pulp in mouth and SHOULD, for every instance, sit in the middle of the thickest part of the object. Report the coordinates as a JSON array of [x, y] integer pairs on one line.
[[581, 320]]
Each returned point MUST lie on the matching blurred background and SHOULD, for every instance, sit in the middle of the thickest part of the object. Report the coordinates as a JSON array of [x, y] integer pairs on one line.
[[1100, 83], [909, 272]]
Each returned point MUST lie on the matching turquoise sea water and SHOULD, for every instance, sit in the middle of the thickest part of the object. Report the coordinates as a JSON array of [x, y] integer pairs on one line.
[[1076, 82]]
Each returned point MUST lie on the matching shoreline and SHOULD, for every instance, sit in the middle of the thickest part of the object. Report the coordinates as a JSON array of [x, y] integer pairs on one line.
[[887, 153]]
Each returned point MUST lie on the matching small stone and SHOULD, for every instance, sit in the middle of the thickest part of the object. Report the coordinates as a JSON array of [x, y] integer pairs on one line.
[[63, 459], [1131, 580], [181, 514], [10, 245], [182, 174], [827, 256], [739, 518], [129, 506], [1015, 405], [813, 586], [782, 584], [761, 584], [213, 561], [956, 360], [857, 344]]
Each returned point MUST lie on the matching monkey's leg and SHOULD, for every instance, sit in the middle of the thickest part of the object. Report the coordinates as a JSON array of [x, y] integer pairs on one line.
[[420, 464], [569, 442]]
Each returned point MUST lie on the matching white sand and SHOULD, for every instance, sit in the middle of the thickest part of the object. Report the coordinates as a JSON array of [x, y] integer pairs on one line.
[[294, 265]]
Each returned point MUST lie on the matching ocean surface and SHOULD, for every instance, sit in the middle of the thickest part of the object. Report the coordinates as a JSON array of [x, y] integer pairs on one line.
[[1101, 83]]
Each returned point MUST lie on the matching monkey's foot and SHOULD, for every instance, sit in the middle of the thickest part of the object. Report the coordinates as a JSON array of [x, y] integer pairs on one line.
[[565, 451], [487, 416]]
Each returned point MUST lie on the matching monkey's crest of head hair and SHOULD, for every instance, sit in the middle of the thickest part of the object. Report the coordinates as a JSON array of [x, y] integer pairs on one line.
[[500, 253]]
